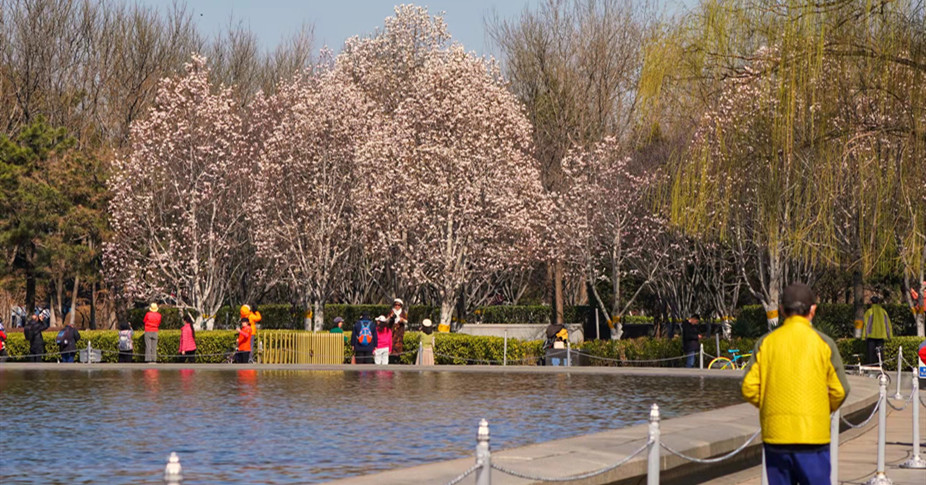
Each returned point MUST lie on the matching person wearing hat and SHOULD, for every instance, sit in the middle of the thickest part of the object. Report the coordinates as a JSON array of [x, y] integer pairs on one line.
[[363, 340], [243, 356], [397, 318], [152, 324], [427, 343], [339, 328], [876, 328], [383, 341], [796, 378], [691, 339]]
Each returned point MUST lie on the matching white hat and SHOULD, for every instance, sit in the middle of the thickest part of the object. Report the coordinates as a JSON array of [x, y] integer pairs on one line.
[[426, 322], [399, 301], [380, 318]]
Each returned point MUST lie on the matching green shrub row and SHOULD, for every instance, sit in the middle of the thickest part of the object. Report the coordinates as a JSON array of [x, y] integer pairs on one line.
[[211, 346], [835, 319]]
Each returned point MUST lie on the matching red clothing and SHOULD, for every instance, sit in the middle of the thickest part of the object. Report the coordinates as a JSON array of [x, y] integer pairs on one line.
[[384, 338], [187, 342], [244, 339], [2, 340], [152, 321]]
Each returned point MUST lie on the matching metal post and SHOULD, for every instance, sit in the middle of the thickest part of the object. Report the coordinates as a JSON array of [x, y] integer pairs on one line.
[[717, 340], [898, 395], [505, 353], [483, 455], [834, 448], [89, 352], [915, 461], [880, 478], [701, 358], [568, 354], [597, 327], [172, 472], [420, 346], [652, 459]]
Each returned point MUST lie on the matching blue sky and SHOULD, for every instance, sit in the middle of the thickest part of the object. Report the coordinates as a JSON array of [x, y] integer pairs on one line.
[[336, 20]]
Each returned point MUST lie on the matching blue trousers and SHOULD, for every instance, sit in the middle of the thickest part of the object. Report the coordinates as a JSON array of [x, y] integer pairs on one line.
[[797, 464], [67, 356], [690, 360]]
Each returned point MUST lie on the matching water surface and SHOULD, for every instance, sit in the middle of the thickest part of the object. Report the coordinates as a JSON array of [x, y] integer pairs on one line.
[[283, 427]]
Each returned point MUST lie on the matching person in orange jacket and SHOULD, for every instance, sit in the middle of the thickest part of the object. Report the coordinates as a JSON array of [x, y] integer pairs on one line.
[[244, 342], [253, 318]]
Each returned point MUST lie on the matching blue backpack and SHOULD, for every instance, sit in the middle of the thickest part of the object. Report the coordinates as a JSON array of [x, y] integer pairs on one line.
[[365, 335]]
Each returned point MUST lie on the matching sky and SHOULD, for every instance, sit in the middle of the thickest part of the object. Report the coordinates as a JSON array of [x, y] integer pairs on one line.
[[335, 20]]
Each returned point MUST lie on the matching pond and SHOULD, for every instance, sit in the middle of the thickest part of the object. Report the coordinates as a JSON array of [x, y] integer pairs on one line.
[[294, 426]]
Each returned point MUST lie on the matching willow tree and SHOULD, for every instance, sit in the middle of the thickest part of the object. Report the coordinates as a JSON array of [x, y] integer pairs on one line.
[[768, 169]]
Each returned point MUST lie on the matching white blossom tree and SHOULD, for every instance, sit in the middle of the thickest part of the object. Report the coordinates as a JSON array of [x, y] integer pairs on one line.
[[302, 209], [177, 204]]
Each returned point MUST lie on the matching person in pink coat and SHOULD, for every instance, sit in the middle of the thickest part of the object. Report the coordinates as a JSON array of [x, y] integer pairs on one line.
[[383, 341], [187, 341]]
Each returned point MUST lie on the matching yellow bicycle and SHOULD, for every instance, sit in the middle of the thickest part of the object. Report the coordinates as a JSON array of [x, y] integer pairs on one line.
[[736, 361]]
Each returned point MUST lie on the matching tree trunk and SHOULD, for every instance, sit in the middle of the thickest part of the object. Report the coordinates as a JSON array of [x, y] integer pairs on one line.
[[74, 297], [446, 309], [318, 315], [30, 278], [858, 301], [558, 292], [93, 305], [774, 289]]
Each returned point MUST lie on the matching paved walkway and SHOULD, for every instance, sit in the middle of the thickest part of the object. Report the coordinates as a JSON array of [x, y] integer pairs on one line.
[[858, 451]]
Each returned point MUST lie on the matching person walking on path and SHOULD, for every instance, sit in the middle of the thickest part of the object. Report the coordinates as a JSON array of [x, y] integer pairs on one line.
[[67, 343], [383, 341], [427, 342], [243, 356], [33, 333], [876, 329], [363, 340], [691, 339], [152, 324], [126, 342], [187, 341], [796, 378]]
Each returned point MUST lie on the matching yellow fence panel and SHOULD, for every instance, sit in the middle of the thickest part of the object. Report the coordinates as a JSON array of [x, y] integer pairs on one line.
[[297, 347]]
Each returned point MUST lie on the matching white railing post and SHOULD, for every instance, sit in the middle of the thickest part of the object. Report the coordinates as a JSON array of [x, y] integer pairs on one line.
[[880, 477], [652, 460], [597, 328], [834, 448], [764, 479], [568, 354], [701, 358], [898, 395], [173, 472], [915, 461], [483, 455], [505, 351], [420, 348]]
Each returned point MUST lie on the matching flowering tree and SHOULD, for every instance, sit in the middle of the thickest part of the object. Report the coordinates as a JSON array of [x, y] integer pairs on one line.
[[177, 202], [302, 207], [604, 222], [447, 191]]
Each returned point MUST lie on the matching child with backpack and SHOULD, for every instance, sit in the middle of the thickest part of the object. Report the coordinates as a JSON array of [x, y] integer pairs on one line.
[[126, 342], [363, 340]]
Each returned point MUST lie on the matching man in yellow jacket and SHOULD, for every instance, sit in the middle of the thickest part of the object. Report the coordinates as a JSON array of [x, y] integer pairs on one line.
[[796, 379], [876, 328]]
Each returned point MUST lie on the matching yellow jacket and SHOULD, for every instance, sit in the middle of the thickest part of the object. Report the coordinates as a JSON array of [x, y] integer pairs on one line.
[[877, 323], [796, 378]]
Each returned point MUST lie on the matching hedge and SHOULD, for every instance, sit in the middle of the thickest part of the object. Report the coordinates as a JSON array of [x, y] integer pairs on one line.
[[210, 346], [834, 319]]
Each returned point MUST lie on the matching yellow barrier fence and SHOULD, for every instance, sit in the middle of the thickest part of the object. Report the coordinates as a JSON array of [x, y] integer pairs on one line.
[[294, 347]]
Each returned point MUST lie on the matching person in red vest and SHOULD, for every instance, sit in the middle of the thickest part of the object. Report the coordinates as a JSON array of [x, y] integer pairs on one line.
[[152, 324], [244, 342]]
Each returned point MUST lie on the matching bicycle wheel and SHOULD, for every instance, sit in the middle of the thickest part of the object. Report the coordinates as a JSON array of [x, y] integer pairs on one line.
[[721, 363]]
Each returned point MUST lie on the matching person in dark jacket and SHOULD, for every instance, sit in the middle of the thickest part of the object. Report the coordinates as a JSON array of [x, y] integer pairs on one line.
[[68, 345], [33, 333], [363, 340], [691, 339]]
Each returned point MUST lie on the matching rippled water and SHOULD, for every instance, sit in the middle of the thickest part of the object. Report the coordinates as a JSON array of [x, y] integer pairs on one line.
[[282, 427]]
